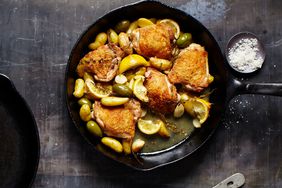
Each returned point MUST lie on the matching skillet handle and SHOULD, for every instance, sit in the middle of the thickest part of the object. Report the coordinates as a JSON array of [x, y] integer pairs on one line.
[[236, 87], [263, 88]]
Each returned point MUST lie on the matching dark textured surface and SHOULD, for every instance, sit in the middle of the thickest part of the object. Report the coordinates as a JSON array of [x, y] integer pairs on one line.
[[35, 40]]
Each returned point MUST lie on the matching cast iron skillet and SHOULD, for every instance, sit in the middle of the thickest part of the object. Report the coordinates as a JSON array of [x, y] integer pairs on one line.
[[19, 148], [225, 87]]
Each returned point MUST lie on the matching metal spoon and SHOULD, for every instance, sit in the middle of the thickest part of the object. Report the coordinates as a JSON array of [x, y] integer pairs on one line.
[[235, 181], [235, 41]]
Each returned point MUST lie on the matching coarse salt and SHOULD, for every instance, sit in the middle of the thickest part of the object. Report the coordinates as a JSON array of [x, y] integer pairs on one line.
[[244, 56]]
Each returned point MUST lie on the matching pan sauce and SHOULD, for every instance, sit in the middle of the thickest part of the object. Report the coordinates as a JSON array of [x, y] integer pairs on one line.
[[180, 129]]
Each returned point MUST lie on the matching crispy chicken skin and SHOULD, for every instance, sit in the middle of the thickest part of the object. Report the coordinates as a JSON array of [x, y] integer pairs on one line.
[[190, 68], [102, 62], [162, 94], [153, 41], [118, 121]]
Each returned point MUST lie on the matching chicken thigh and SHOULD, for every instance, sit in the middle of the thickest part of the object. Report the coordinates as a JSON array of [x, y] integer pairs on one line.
[[153, 41], [162, 94], [102, 62], [191, 68], [118, 121]]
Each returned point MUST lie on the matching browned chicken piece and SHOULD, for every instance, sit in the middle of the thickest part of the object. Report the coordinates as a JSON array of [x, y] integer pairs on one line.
[[102, 62], [191, 68], [118, 121], [162, 94], [153, 41]]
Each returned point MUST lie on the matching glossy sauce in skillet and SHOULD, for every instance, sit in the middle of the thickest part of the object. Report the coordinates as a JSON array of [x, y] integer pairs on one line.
[[180, 129]]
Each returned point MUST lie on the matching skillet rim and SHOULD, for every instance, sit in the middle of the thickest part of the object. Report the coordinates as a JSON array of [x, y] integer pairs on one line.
[[67, 75]]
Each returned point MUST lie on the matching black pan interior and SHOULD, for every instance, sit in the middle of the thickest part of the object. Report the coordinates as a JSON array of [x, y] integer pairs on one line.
[[19, 148], [200, 34]]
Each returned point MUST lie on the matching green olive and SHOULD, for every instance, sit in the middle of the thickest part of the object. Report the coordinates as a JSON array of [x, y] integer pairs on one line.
[[79, 88], [112, 143], [161, 64], [112, 36], [94, 128], [122, 90], [100, 40], [84, 112], [133, 26], [83, 101], [122, 26], [94, 45], [184, 40]]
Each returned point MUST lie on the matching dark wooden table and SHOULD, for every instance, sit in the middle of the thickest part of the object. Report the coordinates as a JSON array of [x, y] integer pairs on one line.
[[35, 41]]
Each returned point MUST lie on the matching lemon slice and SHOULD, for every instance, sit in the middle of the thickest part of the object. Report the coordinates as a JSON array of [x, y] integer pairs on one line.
[[131, 62], [173, 25], [143, 22], [148, 127], [114, 101], [98, 90], [198, 108], [139, 90]]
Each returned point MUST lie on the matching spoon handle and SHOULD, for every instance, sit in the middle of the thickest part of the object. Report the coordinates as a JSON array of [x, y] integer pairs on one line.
[[234, 181]]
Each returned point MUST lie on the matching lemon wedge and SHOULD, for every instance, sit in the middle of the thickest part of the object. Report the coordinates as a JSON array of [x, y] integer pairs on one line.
[[164, 132], [139, 90], [148, 127], [143, 22], [198, 108], [130, 83], [131, 62], [114, 101], [98, 90], [173, 25]]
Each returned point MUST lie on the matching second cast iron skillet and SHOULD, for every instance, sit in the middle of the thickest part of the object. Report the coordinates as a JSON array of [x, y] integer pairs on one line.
[[224, 86], [19, 139]]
